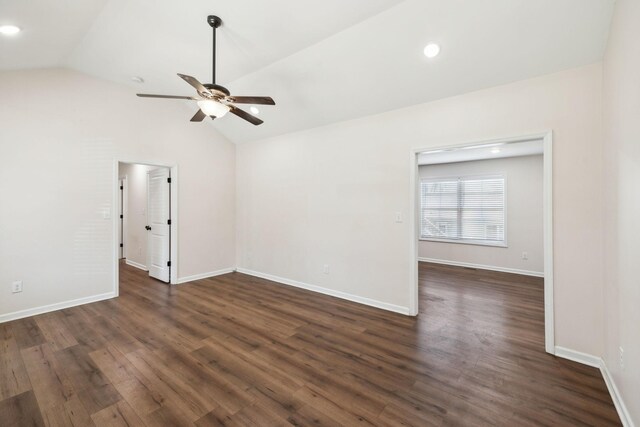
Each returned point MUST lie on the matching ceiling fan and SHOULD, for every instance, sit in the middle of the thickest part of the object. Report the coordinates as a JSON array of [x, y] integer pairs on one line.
[[214, 100]]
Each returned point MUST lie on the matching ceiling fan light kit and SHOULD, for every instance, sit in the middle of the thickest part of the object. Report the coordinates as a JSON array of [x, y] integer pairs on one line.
[[213, 99], [213, 108]]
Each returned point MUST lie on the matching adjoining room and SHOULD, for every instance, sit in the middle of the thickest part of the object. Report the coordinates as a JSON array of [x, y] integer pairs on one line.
[[487, 207]]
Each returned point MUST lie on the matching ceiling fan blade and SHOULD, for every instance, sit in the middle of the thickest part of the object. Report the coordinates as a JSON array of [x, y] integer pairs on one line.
[[195, 83], [146, 95], [264, 100], [199, 116], [244, 115]]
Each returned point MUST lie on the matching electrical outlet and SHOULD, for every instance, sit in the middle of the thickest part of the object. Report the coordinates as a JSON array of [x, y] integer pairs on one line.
[[621, 358], [398, 216], [525, 256], [16, 286], [325, 269]]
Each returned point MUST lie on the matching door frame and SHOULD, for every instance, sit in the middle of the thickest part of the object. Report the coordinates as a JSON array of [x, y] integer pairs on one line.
[[115, 182], [547, 138]]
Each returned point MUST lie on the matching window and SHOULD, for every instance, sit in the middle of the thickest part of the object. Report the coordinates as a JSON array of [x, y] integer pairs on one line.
[[463, 209]]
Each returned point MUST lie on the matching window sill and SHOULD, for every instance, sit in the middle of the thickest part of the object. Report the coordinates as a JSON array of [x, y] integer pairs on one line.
[[467, 242]]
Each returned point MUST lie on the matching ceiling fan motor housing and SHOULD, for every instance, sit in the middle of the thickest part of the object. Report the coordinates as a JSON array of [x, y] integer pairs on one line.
[[217, 88]]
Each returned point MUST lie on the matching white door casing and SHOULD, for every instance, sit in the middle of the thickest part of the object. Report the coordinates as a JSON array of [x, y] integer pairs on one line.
[[159, 220]]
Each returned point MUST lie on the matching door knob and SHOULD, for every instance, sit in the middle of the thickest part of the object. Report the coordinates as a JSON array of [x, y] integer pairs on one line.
[[147, 227]]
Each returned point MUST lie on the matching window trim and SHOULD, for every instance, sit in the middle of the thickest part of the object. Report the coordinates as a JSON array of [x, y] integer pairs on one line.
[[475, 242]]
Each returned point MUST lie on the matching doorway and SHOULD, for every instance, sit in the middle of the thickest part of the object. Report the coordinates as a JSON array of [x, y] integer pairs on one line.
[[147, 222], [447, 227]]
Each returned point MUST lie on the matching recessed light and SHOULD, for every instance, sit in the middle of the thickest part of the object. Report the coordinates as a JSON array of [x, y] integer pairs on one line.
[[255, 110], [9, 30], [137, 79], [431, 50], [495, 150]]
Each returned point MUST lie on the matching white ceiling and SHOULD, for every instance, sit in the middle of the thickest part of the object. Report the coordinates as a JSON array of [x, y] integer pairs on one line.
[[50, 30], [482, 152], [131, 38], [321, 61]]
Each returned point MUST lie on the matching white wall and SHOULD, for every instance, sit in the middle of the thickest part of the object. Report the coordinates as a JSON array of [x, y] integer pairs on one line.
[[523, 221], [622, 201], [329, 195], [60, 132], [136, 212]]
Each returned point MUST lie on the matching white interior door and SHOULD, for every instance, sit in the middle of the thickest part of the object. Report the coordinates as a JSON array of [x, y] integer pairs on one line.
[[159, 224]]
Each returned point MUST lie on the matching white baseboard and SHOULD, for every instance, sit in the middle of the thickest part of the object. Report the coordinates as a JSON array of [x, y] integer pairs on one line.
[[136, 265], [326, 291], [578, 356], [205, 275], [483, 267], [623, 412], [54, 307], [598, 362]]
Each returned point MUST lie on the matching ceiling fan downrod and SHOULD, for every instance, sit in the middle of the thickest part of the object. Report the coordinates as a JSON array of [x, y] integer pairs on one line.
[[215, 22]]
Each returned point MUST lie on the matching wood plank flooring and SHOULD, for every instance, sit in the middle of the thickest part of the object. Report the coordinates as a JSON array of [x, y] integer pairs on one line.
[[240, 351]]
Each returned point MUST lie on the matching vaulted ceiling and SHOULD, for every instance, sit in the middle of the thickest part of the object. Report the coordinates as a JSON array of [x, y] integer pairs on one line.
[[321, 61]]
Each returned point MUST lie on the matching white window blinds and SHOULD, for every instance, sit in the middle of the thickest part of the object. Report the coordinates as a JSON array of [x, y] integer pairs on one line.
[[464, 208]]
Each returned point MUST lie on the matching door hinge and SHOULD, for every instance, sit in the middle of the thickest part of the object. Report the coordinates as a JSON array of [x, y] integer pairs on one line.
[[121, 187], [121, 245], [168, 263], [169, 222], [169, 180], [121, 216]]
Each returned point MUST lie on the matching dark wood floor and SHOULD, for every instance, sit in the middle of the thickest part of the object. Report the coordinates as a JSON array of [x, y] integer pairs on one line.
[[236, 351]]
